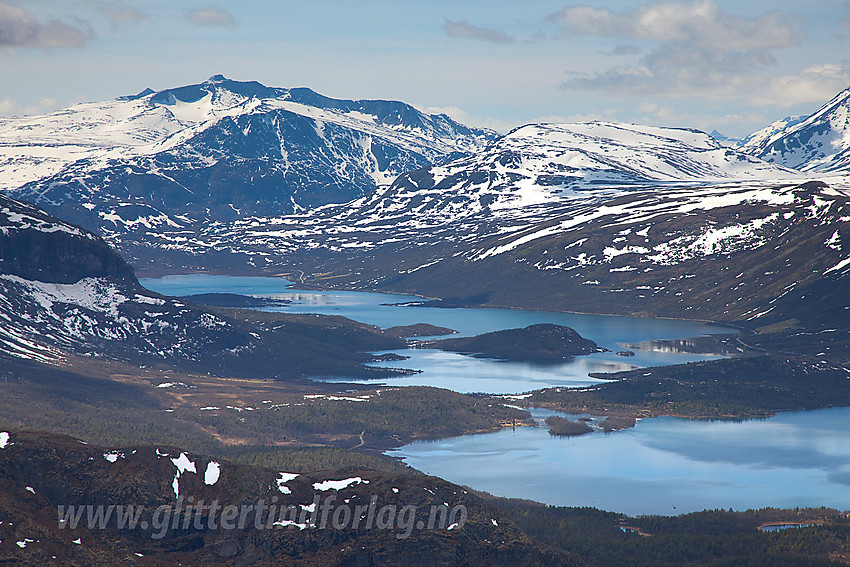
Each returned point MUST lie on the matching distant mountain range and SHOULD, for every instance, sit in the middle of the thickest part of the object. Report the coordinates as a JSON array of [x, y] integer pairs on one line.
[[595, 216], [217, 151]]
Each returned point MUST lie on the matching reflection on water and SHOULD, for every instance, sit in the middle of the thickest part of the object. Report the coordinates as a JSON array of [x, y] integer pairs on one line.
[[661, 466], [713, 345], [472, 375], [463, 373]]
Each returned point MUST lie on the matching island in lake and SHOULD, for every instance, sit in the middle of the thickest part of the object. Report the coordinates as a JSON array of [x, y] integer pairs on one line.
[[543, 342], [418, 330]]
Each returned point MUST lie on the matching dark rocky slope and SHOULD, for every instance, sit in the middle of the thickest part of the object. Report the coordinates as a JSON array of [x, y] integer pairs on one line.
[[43, 472]]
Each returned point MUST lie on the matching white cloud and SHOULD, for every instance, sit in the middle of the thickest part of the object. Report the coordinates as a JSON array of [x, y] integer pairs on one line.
[[118, 13], [698, 49], [732, 124], [22, 28], [11, 107], [464, 30], [625, 49], [817, 83], [460, 115], [504, 126], [701, 23], [213, 16]]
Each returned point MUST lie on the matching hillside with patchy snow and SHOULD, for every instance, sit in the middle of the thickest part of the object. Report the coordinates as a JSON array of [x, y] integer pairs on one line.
[[64, 293], [166, 506]]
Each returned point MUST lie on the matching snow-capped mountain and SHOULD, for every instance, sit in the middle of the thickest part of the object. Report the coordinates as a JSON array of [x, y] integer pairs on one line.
[[817, 143], [516, 217], [553, 163], [216, 151], [63, 290], [758, 138], [724, 140], [532, 174], [599, 216], [747, 251]]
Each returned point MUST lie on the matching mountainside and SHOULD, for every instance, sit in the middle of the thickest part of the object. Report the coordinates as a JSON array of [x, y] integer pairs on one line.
[[758, 138], [216, 151], [630, 220], [599, 217], [744, 252], [530, 175], [173, 508], [63, 291], [818, 143]]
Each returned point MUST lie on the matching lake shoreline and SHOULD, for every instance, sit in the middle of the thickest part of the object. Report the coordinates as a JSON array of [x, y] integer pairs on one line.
[[151, 273]]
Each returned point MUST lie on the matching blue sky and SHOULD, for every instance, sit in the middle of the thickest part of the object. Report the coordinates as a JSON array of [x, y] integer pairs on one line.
[[709, 64]]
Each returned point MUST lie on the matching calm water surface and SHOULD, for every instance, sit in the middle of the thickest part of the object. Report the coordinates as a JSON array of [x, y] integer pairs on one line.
[[662, 466], [455, 371]]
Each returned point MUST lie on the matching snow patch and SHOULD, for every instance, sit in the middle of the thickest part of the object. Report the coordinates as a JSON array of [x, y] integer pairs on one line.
[[338, 484], [212, 474]]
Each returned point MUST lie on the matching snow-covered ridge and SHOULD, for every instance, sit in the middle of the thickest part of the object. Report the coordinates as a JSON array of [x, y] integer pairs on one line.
[[556, 164], [102, 133], [21, 217], [63, 291], [757, 139], [818, 143], [40, 320], [615, 153]]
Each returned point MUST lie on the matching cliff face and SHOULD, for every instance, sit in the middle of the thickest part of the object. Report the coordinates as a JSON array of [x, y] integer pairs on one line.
[[36, 246]]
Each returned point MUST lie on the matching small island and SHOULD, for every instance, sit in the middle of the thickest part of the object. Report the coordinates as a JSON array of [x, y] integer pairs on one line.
[[563, 427], [418, 330], [543, 342]]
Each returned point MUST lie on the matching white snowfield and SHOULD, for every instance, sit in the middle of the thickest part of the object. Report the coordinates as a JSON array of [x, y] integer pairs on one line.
[[212, 474], [284, 478], [21, 220]]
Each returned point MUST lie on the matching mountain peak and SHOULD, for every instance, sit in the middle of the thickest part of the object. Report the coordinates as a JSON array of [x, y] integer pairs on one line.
[[216, 150], [819, 142]]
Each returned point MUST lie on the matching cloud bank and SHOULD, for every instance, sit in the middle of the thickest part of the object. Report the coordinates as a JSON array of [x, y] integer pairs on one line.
[[464, 30], [118, 13], [695, 49], [213, 16], [22, 28]]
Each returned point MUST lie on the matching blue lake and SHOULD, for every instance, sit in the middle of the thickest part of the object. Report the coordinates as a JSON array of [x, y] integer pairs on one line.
[[661, 466], [458, 372]]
